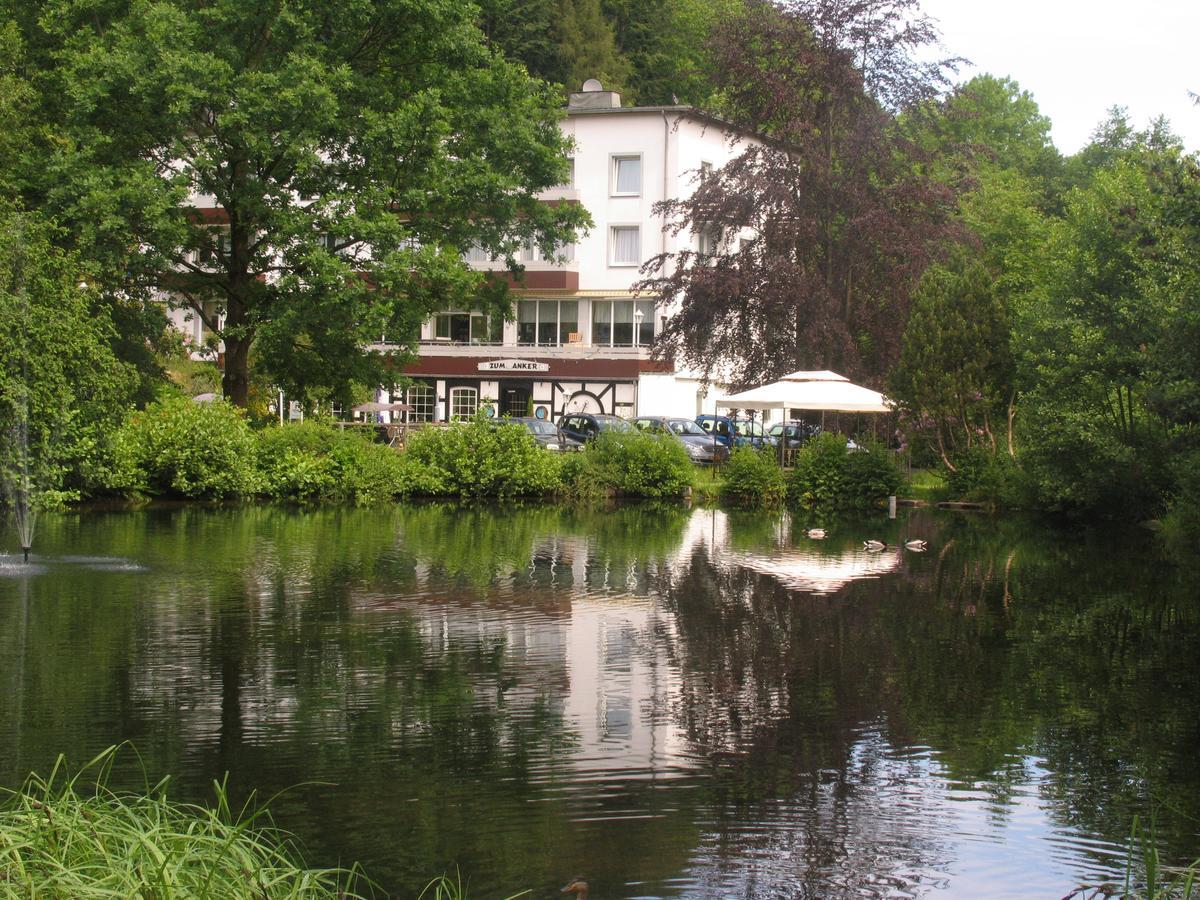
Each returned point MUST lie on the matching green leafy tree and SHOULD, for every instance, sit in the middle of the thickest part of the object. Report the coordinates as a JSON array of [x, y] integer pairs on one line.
[[989, 123], [956, 371], [1084, 348], [61, 387], [351, 155]]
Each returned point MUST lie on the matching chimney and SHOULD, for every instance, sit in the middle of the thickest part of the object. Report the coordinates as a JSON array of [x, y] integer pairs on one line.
[[594, 96]]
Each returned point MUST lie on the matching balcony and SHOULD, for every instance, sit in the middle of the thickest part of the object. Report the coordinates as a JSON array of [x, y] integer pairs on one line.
[[578, 350]]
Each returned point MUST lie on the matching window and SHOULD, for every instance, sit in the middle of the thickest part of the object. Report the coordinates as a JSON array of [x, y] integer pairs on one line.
[[626, 175], [569, 181], [214, 249], [708, 239], [547, 323], [464, 403], [467, 328], [477, 254], [421, 397], [625, 245], [615, 323], [531, 252]]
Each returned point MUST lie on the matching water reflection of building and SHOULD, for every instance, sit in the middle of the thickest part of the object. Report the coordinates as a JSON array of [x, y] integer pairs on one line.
[[582, 631], [813, 567]]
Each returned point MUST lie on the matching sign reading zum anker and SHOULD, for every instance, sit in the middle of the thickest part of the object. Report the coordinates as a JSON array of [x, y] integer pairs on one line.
[[513, 365]]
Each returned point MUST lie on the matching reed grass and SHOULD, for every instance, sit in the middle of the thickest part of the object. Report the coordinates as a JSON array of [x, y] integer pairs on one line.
[[69, 835], [1156, 881]]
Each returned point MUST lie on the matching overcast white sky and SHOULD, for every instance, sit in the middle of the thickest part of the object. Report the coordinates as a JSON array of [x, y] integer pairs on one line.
[[1078, 58]]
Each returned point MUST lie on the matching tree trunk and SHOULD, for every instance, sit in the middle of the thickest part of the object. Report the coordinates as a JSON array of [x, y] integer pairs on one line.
[[238, 334], [942, 450], [1012, 414], [987, 430], [235, 382]]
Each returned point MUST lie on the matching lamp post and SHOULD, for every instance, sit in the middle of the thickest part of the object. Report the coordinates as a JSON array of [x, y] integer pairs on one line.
[[638, 315]]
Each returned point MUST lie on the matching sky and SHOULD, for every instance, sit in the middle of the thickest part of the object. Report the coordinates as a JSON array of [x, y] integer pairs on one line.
[[1078, 59]]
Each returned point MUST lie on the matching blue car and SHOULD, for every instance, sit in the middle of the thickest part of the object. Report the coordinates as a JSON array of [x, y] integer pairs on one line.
[[736, 432]]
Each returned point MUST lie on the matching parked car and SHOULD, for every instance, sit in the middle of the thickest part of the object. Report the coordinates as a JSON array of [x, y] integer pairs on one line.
[[584, 427], [544, 432], [736, 432], [793, 433], [701, 447], [800, 433]]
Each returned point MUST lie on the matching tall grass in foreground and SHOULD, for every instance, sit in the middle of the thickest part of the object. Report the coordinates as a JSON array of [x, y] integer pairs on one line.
[[1146, 878], [70, 836], [1158, 882]]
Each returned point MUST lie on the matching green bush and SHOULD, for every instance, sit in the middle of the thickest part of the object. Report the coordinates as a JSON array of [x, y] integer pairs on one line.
[[1183, 517], [828, 475], [753, 476], [179, 448], [315, 461], [478, 459], [987, 477], [629, 464], [1078, 466]]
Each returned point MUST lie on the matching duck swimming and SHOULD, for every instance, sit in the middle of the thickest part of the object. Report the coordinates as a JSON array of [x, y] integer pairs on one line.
[[817, 534], [874, 546], [916, 546], [578, 887]]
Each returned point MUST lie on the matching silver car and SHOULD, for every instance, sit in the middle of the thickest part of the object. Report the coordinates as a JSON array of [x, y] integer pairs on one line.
[[701, 446]]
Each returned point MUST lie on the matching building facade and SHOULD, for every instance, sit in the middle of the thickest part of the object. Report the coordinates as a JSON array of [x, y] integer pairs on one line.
[[581, 339]]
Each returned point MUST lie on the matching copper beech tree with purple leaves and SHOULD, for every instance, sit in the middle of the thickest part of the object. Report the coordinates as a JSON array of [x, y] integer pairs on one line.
[[814, 235]]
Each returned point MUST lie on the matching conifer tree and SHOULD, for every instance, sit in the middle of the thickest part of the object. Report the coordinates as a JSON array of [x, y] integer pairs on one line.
[[587, 47]]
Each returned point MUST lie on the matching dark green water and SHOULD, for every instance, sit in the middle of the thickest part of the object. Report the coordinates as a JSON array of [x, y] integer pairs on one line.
[[668, 702]]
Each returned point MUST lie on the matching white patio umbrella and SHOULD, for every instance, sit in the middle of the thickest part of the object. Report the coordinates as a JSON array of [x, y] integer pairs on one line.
[[810, 390]]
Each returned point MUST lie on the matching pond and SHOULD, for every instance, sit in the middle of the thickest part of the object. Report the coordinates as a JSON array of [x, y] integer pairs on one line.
[[668, 702]]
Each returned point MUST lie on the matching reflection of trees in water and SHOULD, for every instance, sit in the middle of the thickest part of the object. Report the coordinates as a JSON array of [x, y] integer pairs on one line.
[[1006, 642], [779, 691], [298, 645]]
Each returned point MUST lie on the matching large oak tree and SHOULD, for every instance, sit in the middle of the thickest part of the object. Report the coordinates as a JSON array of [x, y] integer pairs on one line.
[[352, 152]]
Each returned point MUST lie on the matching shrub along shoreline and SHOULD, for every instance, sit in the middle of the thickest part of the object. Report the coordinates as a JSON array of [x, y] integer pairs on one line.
[[177, 449]]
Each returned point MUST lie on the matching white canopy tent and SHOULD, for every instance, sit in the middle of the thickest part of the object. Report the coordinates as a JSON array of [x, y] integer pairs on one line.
[[810, 390]]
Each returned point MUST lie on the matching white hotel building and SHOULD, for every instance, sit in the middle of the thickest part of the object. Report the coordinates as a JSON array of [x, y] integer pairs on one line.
[[580, 341]]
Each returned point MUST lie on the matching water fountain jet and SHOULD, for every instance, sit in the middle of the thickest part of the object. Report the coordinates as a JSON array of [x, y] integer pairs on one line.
[[18, 486]]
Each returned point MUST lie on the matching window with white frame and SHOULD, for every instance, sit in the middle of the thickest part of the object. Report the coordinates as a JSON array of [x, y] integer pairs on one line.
[[625, 245], [421, 399], [464, 403], [569, 181], [627, 175], [547, 323], [622, 323]]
